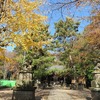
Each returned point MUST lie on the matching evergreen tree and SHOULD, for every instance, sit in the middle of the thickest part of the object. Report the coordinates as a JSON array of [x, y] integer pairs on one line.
[[66, 34], [39, 58]]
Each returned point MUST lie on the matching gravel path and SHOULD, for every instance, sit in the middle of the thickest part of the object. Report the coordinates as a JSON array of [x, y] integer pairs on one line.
[[61, 94], [58, 94]]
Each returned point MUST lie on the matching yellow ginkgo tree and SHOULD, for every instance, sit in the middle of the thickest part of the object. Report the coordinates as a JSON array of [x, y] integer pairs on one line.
[[20, 23]]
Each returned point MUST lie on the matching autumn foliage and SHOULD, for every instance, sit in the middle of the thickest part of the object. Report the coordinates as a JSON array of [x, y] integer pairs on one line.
[[20, 24]]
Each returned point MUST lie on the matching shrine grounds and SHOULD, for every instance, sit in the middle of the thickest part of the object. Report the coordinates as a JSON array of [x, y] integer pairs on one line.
[[55, 93]]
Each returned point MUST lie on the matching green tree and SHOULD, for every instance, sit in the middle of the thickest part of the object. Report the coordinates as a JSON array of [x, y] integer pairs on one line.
[[39, 58], [66, 34], [63, 44]]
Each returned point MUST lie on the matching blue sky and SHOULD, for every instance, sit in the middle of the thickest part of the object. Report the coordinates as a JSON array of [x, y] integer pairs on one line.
[[77, 14]]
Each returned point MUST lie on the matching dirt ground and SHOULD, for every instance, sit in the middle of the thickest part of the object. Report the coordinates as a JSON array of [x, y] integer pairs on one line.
[[42, 94], [6, 94]]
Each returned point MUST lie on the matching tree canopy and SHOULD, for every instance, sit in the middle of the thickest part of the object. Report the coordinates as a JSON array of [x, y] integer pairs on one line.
[[18, 19], [22, 26]]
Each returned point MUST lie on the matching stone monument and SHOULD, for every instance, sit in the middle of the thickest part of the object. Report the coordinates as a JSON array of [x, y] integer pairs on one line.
[[95, 84], [24, 89]]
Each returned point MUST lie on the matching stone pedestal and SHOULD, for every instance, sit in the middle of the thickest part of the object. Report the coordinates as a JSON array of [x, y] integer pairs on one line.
[[95, 92], [95, 89], [23, 95]]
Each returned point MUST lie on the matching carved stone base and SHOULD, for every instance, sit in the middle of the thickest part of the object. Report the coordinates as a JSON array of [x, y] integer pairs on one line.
[[23, 95], [95, 92]]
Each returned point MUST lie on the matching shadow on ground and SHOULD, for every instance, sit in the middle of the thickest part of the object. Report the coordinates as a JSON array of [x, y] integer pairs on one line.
[[6, 93], [75, 94], [88, 98], [4, 87], [42, 94]]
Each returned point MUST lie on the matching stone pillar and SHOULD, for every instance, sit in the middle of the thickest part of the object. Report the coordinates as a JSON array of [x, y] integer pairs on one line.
[[95, 84]]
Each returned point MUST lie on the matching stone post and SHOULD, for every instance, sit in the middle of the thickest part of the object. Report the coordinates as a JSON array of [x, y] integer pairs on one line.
[[95, 84], [24, 89]]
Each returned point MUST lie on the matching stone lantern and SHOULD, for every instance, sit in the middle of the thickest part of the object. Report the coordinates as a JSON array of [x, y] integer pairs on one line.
[[95, 84], [24, 89]]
